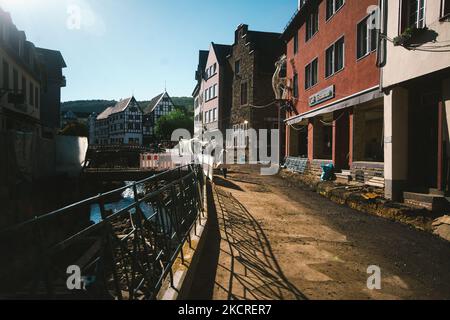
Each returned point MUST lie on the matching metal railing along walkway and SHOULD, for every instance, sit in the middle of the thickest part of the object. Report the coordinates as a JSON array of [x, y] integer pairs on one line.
[[126, 254]]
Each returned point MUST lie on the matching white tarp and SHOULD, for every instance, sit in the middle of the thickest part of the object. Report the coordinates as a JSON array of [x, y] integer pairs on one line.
[[70, 154]]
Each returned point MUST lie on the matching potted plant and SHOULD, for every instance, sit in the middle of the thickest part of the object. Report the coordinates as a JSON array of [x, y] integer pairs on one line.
[[405, 38]]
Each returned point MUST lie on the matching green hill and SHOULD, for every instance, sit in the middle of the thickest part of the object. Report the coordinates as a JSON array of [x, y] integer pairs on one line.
[[86, 107], [187, 102]]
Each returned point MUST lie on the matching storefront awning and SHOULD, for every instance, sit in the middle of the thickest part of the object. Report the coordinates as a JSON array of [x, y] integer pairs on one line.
[[347, 102]]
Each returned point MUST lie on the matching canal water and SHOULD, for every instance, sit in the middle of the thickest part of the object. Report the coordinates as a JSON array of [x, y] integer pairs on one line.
[[127, 199]]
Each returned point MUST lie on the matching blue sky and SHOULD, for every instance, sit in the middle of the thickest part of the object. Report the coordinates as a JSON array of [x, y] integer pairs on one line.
[[125, 47]]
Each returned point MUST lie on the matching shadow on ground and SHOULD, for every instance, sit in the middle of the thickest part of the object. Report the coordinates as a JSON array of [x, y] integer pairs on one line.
[[205, 274], [238, 262], [226, 184]]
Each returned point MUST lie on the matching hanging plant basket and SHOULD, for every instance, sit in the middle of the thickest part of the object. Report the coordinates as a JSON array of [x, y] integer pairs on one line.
[[405, 39]]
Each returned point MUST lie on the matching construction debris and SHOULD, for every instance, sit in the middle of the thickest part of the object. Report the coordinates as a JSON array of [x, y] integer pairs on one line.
[[441, 227], [366, 199]]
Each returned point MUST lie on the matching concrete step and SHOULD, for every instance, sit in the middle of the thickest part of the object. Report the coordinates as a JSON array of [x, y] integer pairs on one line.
[[431, 202]]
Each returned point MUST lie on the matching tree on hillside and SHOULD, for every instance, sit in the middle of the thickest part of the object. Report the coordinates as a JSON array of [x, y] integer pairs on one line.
[[177, 119], [186, 102]]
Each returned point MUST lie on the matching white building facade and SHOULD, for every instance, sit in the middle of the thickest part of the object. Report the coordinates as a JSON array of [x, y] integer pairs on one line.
[[120, 124], [159, 106], [20, 81], [199, 93], [415, 60]]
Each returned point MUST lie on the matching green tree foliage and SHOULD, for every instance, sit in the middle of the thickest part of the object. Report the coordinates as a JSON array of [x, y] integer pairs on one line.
[[75, 130], [177, 119], [186, 102], [87, 106]]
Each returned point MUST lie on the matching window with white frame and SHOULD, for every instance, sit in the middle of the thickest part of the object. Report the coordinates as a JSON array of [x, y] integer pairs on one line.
[[417, 13], [335, 58], [367, 37], [311, 74], [333, 6], [445, 11], [295, 85], [412, 14], [215, 114], [312, 23], [296, 43]]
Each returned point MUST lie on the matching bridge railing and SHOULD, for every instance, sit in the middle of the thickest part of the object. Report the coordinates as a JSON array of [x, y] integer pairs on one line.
[[127, 252]]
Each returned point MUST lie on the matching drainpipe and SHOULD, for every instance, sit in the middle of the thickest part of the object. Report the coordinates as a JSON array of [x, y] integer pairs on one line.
[[382, 43]]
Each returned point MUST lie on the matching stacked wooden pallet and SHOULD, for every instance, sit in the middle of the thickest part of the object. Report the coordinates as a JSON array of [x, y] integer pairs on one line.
[[377, 182]]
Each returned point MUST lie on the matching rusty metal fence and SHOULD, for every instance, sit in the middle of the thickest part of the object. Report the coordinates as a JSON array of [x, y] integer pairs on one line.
[[126, 254]]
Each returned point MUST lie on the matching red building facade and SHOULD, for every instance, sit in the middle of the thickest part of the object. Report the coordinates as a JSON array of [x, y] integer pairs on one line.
[[333, 73]]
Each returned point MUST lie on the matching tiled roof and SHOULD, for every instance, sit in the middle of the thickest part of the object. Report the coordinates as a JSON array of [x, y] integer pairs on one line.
[[222, 51], [105, 114], [119, 107], [203, 59], [52, 55], [154, 102], [264, 41]]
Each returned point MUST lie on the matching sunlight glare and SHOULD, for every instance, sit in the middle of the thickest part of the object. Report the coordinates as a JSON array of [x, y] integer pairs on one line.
[[25, 5]]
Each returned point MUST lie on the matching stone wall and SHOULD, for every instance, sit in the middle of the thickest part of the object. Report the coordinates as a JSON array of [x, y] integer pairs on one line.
[[256, 53], [241, 53]]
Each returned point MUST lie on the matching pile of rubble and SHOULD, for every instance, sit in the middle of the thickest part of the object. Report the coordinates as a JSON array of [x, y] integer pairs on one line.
[[441, 227], [371, 200]]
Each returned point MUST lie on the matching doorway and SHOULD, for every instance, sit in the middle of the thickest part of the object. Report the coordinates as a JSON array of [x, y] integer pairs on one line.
[[423, 140], [298, 142]]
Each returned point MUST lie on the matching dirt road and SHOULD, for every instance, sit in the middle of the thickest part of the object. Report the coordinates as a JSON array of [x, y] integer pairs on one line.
[[273, 240]]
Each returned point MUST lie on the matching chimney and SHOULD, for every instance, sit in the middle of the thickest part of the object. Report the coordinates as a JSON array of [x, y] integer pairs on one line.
[[241, 30]]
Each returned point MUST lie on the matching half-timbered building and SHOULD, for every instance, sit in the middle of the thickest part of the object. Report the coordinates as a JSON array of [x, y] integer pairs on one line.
[[159, 106], [120, 124]]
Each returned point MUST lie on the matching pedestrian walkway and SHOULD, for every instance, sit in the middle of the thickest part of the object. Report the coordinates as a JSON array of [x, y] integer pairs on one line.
[[248, 268], [268, 239]]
